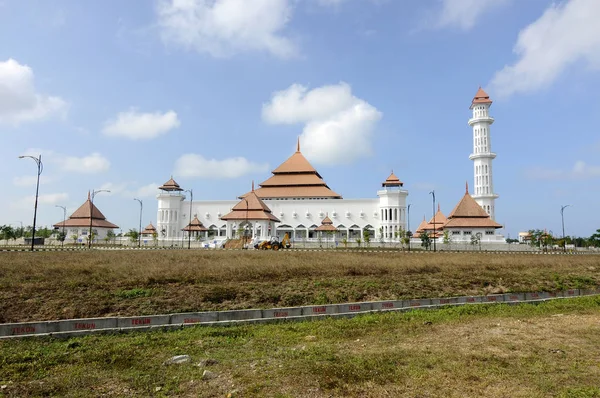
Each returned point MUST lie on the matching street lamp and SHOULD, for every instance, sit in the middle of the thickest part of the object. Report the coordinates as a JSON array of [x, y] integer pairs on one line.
[[40, 168], [408, 233], [190, 224], [562, 217], [62, 243], [433, 196], [92, 214], [140, 230]]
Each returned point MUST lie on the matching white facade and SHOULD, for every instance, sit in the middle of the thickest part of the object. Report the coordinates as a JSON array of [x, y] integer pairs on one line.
[[299, 217], [470, 235], [80, 234], [482, 156]]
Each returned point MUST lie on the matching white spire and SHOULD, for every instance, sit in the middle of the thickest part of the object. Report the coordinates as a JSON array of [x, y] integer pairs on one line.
[[482, 156]]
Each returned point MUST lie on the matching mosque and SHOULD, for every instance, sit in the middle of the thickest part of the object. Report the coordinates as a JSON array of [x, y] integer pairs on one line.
[[296, 200]]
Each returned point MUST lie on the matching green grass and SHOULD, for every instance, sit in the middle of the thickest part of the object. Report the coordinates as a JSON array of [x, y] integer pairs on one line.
[[545, 350]]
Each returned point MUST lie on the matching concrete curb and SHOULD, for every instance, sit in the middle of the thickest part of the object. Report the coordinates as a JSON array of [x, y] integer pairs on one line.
[[81, 327]]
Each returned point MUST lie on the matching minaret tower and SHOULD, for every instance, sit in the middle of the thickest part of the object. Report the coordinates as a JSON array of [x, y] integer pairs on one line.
[[482, 156]]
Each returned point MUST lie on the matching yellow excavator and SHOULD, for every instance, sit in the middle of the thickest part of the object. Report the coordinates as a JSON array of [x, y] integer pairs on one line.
[[274, 244]]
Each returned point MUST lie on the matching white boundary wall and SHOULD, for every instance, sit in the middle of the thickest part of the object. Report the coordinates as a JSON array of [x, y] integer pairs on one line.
[[78, 327]]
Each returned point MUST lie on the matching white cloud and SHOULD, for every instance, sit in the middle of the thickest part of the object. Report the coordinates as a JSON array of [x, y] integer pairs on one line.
[[141, 126], [94, 163], [126, 190], [566, 33], [51, 198], [193, 165], [27, 202], [19, 101], [465, 13], [25, 181], [146, 191], [223, 28], [579, 171], [338, 126]]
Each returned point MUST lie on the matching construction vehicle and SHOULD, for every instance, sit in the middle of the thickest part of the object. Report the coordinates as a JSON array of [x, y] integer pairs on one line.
[[274, 244]]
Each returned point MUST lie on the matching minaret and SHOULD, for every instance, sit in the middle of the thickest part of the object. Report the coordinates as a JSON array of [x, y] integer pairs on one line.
[[169, 220], [482, 156]]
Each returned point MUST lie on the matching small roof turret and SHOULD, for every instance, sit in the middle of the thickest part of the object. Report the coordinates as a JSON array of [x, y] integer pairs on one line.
[[481, 98], [149, 230], [392, 181], [326, 225], [195, 226], [251, 207], [170, 185]]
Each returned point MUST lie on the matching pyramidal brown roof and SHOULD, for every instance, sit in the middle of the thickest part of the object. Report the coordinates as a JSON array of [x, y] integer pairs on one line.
[[81, 217], [326, 225], [195, 226], [251, 207], [481, 97], [170, 185], [392, 181], [149, 230], [422, 226], [468, 214], [440, 220], [295, 178]]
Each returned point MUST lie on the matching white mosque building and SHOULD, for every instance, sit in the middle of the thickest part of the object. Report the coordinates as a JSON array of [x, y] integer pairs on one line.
[[296, 200]]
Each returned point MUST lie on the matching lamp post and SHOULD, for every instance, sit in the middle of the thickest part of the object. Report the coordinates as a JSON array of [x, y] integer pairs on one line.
[[190, 224], [246, 227], [408, 233], [92, 214], [140, 230], [433, 196], [562, 217], [62, 243], [40, 168]]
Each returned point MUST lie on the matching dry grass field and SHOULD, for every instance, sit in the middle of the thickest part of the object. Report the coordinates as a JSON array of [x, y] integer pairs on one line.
[[59, 285], [528, 351]]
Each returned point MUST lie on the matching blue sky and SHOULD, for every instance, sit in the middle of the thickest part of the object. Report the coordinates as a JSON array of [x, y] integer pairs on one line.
[[120, 95]]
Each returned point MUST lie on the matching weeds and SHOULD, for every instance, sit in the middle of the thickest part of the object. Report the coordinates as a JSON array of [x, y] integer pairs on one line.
[[549, 349], [58, 285]]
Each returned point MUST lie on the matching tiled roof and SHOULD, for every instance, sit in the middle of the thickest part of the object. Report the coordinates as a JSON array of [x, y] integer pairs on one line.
[[149, 230], [297, 192], [440, 221], [195, 226], [280, 180], [472, 223], [251, 207], [295, 178], [481, 97], [468, 214], [392, 181], [82, 222], [296, 163], [422, 225], [170, 185], [326, 225], [81, 217]]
